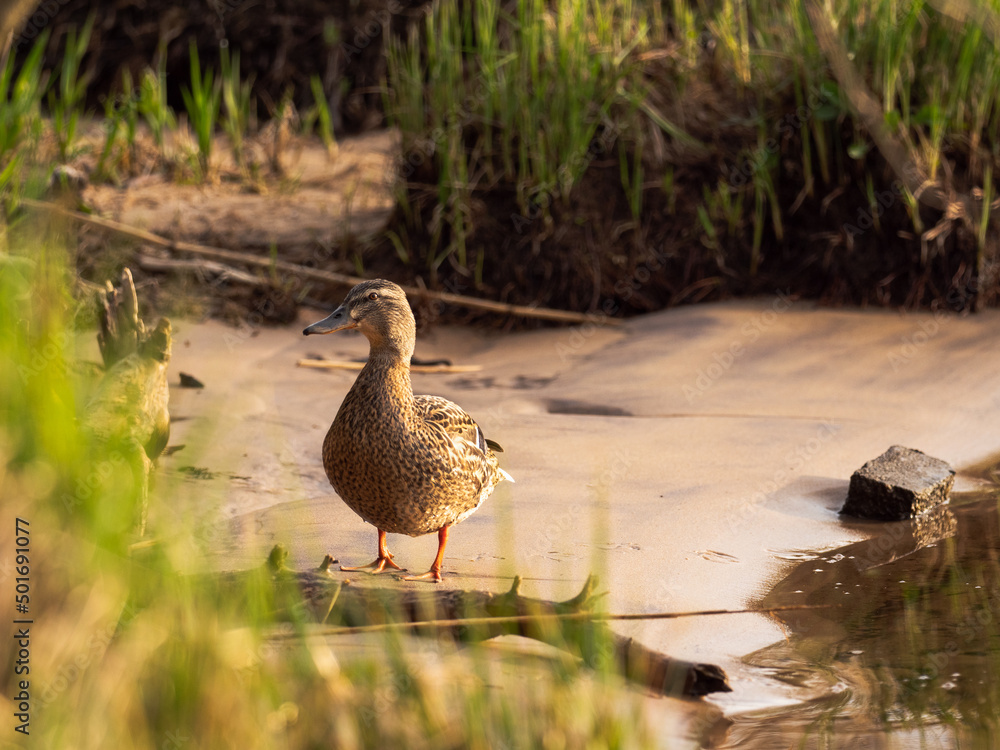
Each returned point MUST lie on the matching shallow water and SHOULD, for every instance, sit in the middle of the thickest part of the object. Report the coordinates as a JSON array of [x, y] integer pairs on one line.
[[908, 652]]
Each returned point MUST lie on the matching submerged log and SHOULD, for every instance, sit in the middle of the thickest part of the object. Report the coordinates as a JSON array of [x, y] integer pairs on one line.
[[471, 616], [128, 414]]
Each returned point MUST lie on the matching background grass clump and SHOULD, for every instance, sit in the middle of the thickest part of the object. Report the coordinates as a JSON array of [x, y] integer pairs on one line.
[[615, 157], [713, 148]]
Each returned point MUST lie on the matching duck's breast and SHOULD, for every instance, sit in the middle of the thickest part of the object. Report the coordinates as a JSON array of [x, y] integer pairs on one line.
[[410, 476]]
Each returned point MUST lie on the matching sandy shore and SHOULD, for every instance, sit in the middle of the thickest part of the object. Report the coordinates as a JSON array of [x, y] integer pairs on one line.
[[688, 457]]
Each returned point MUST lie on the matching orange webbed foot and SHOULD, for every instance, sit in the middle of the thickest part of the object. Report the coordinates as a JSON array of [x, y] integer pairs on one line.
[[432, 575], [379, 565], [383, 561]]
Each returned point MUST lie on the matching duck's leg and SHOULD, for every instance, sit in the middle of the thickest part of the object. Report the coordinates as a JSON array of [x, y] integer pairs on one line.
[[434, 574], [383, 561]]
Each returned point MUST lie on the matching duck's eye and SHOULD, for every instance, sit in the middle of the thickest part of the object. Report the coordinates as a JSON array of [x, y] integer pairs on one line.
[[373, 295]]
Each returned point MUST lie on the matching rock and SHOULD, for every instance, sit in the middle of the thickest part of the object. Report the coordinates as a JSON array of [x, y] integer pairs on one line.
[[899, 484], [190, 381]]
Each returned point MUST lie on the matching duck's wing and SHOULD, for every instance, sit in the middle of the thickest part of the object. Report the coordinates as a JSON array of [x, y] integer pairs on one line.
[[465, 435], [471, 447], [454, 420]]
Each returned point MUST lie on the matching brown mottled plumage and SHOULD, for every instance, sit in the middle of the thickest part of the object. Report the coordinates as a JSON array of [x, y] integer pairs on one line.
[[406, 464]]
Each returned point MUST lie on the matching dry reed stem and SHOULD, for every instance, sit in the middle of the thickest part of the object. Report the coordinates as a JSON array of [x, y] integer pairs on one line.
[[502, 308]]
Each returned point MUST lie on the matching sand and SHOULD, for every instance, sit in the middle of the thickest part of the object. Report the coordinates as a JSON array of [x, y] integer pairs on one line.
[[321, 199], [688, 457]]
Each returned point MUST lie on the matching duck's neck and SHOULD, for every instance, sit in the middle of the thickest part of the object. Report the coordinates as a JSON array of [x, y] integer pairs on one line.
[[388, 372]]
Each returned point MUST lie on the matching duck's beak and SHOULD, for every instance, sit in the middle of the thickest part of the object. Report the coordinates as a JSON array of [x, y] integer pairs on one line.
[[338, 320]]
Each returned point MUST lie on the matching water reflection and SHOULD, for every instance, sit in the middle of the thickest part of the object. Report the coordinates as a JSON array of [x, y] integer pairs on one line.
[[909, 657]]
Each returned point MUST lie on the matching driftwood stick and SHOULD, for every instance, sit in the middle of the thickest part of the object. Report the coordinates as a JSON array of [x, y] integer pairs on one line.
[[128, 413], [152, 263], [121, 328], [233, 256]]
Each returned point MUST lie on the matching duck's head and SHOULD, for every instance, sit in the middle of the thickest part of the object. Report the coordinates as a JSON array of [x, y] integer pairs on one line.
[[378, 308]]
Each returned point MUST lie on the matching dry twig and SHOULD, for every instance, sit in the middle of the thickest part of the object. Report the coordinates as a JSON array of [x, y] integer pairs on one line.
[[233, 256]]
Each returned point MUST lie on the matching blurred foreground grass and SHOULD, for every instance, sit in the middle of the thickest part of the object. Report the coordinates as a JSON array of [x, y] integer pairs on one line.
[[124, 653]]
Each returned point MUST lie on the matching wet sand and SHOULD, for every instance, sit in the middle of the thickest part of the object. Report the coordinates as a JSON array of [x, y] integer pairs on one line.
[[687, 457]]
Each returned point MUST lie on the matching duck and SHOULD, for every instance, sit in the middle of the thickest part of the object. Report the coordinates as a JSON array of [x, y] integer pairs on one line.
[[407, 464]]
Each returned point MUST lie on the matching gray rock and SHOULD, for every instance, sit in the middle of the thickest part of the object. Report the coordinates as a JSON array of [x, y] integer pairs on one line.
[[899, 484]]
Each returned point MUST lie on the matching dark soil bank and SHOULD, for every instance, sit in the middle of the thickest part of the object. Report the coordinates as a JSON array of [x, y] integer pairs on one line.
[[846, 238]]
